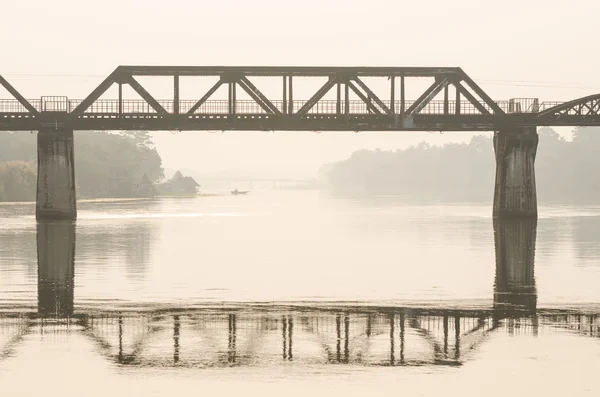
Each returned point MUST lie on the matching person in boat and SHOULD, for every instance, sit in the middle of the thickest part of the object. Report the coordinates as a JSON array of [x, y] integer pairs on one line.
[[235, 190]]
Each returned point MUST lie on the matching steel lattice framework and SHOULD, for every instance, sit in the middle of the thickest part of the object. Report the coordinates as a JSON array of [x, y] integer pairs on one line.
[[452, 102]]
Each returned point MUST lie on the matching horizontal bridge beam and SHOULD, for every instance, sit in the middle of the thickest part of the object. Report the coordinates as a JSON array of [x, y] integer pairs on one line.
[[283, 122], [287, 71]]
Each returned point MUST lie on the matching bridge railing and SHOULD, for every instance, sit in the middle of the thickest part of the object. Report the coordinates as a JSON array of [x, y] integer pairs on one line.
[[141, 107], [14, 106]]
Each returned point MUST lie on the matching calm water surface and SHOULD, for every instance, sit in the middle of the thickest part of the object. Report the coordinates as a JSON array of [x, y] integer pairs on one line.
[[296, 293]]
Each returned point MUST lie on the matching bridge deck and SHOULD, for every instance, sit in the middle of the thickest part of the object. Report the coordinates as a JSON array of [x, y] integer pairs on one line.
[[249, 115]]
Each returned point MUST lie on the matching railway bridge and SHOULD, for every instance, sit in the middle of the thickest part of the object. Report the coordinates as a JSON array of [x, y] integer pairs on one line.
[[285, 99]]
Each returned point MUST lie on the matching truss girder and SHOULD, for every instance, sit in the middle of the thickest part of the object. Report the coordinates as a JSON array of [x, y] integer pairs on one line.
[[591, 103], [474, 110]]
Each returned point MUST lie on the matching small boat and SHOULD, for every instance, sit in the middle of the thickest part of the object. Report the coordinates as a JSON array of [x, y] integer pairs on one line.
[[236, 192]]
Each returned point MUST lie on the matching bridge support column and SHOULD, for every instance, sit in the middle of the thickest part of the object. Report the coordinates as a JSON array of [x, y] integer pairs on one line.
[[515, 193], [56, 175]]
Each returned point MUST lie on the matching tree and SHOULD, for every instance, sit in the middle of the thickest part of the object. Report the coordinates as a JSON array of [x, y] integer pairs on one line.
[[17, 181], [106, 164]]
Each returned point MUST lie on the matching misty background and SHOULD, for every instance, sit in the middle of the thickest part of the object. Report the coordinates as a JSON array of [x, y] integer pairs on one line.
[[511, 49]]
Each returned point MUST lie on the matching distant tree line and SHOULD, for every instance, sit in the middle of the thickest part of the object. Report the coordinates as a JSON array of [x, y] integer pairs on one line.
[[565, 170], [106, 164]]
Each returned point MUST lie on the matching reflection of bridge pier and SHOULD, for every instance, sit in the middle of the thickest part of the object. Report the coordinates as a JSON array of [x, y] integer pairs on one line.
[[515, 252], [287, 332], [56, 268]]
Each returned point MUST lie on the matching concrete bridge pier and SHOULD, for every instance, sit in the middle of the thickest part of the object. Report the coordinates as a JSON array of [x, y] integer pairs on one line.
[[515, 192], [56, 175]]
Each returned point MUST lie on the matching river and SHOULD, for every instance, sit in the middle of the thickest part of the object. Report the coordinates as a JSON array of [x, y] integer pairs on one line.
[[298, 293]]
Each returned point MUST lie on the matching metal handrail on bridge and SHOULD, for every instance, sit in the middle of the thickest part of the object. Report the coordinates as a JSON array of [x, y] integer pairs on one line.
[[140, 106]]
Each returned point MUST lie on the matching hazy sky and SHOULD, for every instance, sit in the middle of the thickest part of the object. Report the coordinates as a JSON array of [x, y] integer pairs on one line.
[[530, 48]]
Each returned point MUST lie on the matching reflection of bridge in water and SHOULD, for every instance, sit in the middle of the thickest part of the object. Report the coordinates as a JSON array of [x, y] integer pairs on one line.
[[247, 335]]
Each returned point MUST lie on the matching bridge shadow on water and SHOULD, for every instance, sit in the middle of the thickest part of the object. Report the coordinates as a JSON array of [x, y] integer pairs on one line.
[[259, 335]]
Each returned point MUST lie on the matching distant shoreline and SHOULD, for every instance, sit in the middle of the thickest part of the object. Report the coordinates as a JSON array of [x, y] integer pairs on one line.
[[121, 199]]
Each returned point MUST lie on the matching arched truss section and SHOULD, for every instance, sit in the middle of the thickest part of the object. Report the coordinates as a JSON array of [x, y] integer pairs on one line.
[[585, 110]]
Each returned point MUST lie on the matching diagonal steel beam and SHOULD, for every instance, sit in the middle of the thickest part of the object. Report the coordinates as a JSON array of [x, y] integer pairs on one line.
[[101, 89], [427, 96], [146, 96], [362, 96], [205, 97], [372, 95], [464, 92], [318, 95], [18, 96], [488, 101], [258, 96]]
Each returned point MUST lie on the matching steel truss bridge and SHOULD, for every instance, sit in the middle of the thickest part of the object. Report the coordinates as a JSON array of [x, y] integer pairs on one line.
[[349, 99]]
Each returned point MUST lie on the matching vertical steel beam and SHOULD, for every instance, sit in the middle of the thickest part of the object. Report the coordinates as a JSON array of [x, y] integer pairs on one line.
[[120, 100], [402, 99], [291, 92], [338, 104], [393, 94], [231, 99], [285, 101], [176, 94], [446, 100], [346, 98], [457, 100]]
